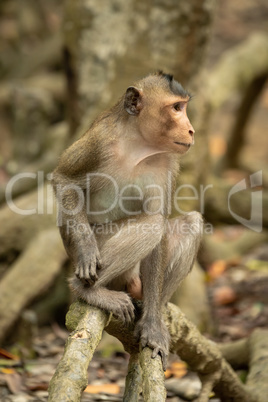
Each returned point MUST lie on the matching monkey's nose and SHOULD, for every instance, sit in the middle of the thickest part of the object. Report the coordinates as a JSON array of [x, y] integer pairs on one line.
[[191, 131]]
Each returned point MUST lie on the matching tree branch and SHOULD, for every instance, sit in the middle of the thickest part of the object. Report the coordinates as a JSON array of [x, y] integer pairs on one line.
[[204, 357], [201, 354], [153, 386], [133, 379], [70, 378], [30, 275]]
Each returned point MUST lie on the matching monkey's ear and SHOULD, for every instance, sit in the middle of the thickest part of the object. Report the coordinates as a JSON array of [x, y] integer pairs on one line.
[[133, 103]]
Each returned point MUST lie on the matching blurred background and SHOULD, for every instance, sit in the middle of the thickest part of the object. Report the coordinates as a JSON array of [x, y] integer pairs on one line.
[[61, 63]]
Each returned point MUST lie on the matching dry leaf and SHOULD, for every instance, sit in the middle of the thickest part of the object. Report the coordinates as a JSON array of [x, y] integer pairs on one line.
[[7, 370], [100, 373], [103, 388], [41, 386], [168, 373], [234, 261], [224, 295], [8, 355], [216, 269], [14, 382], [178, 369]]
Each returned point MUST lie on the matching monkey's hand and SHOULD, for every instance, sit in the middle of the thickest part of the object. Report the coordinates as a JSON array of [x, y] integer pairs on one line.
[[154, 334], [87, 263]]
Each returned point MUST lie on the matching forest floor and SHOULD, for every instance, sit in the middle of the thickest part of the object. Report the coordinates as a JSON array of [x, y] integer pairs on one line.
[[237, 290], [237, 287]]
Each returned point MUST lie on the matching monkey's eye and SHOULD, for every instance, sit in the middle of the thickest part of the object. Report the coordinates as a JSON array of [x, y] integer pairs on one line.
[[179, 106]]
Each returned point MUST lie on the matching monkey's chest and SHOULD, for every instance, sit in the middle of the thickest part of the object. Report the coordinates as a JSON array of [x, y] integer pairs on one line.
[[120, 198]]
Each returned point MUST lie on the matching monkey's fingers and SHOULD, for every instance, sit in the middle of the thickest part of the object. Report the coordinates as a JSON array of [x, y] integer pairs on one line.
[[143, 342], [88, 282], [79, 272], [156, 339], [129, 312], [86, 273], [124, 309], [163, 355], [91, 273], [91, 278], [99, 264], [122, 316]]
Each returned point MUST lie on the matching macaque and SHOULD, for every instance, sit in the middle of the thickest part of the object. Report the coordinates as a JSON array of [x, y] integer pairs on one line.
[[114, 188]]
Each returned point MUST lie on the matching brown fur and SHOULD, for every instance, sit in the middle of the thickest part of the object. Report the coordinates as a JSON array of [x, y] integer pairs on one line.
[[137, 143]]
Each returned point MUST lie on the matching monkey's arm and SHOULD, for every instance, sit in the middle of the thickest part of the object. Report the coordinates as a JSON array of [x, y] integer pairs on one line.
[[69, 180]]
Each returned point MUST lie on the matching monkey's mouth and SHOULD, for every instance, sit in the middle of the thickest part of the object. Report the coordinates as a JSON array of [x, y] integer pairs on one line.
[[182, 143]]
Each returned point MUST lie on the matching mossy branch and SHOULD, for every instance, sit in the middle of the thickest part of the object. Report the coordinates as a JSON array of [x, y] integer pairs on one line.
[[202, 355]]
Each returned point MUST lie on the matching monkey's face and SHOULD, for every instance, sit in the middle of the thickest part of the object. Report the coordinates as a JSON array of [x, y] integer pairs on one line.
[[165, 124], [159, 111]]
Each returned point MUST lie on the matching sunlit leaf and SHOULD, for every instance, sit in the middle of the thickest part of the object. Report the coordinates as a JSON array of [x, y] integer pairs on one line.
[[103, 388], [216, 269], [7, 370], [178, 369], [257, 265]]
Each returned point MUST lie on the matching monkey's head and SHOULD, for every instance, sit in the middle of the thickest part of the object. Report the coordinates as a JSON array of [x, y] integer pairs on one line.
[[158, 104]]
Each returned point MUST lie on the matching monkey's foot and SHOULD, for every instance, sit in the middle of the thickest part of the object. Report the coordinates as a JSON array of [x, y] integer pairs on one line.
[[118, 303], [155, 335], [122, 307]]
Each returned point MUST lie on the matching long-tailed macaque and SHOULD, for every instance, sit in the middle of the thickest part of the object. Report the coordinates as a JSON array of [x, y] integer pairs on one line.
[[115, 187]]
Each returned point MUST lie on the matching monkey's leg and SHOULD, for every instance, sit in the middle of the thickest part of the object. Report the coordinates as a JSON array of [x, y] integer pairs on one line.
[[184, 236], [134, 240], [151, 329], [162, 271], [120, 252]]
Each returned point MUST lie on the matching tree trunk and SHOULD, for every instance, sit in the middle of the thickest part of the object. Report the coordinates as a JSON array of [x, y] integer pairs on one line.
[[113, 43]]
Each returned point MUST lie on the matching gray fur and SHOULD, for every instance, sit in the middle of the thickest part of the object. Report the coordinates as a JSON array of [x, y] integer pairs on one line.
[[137, 143]]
